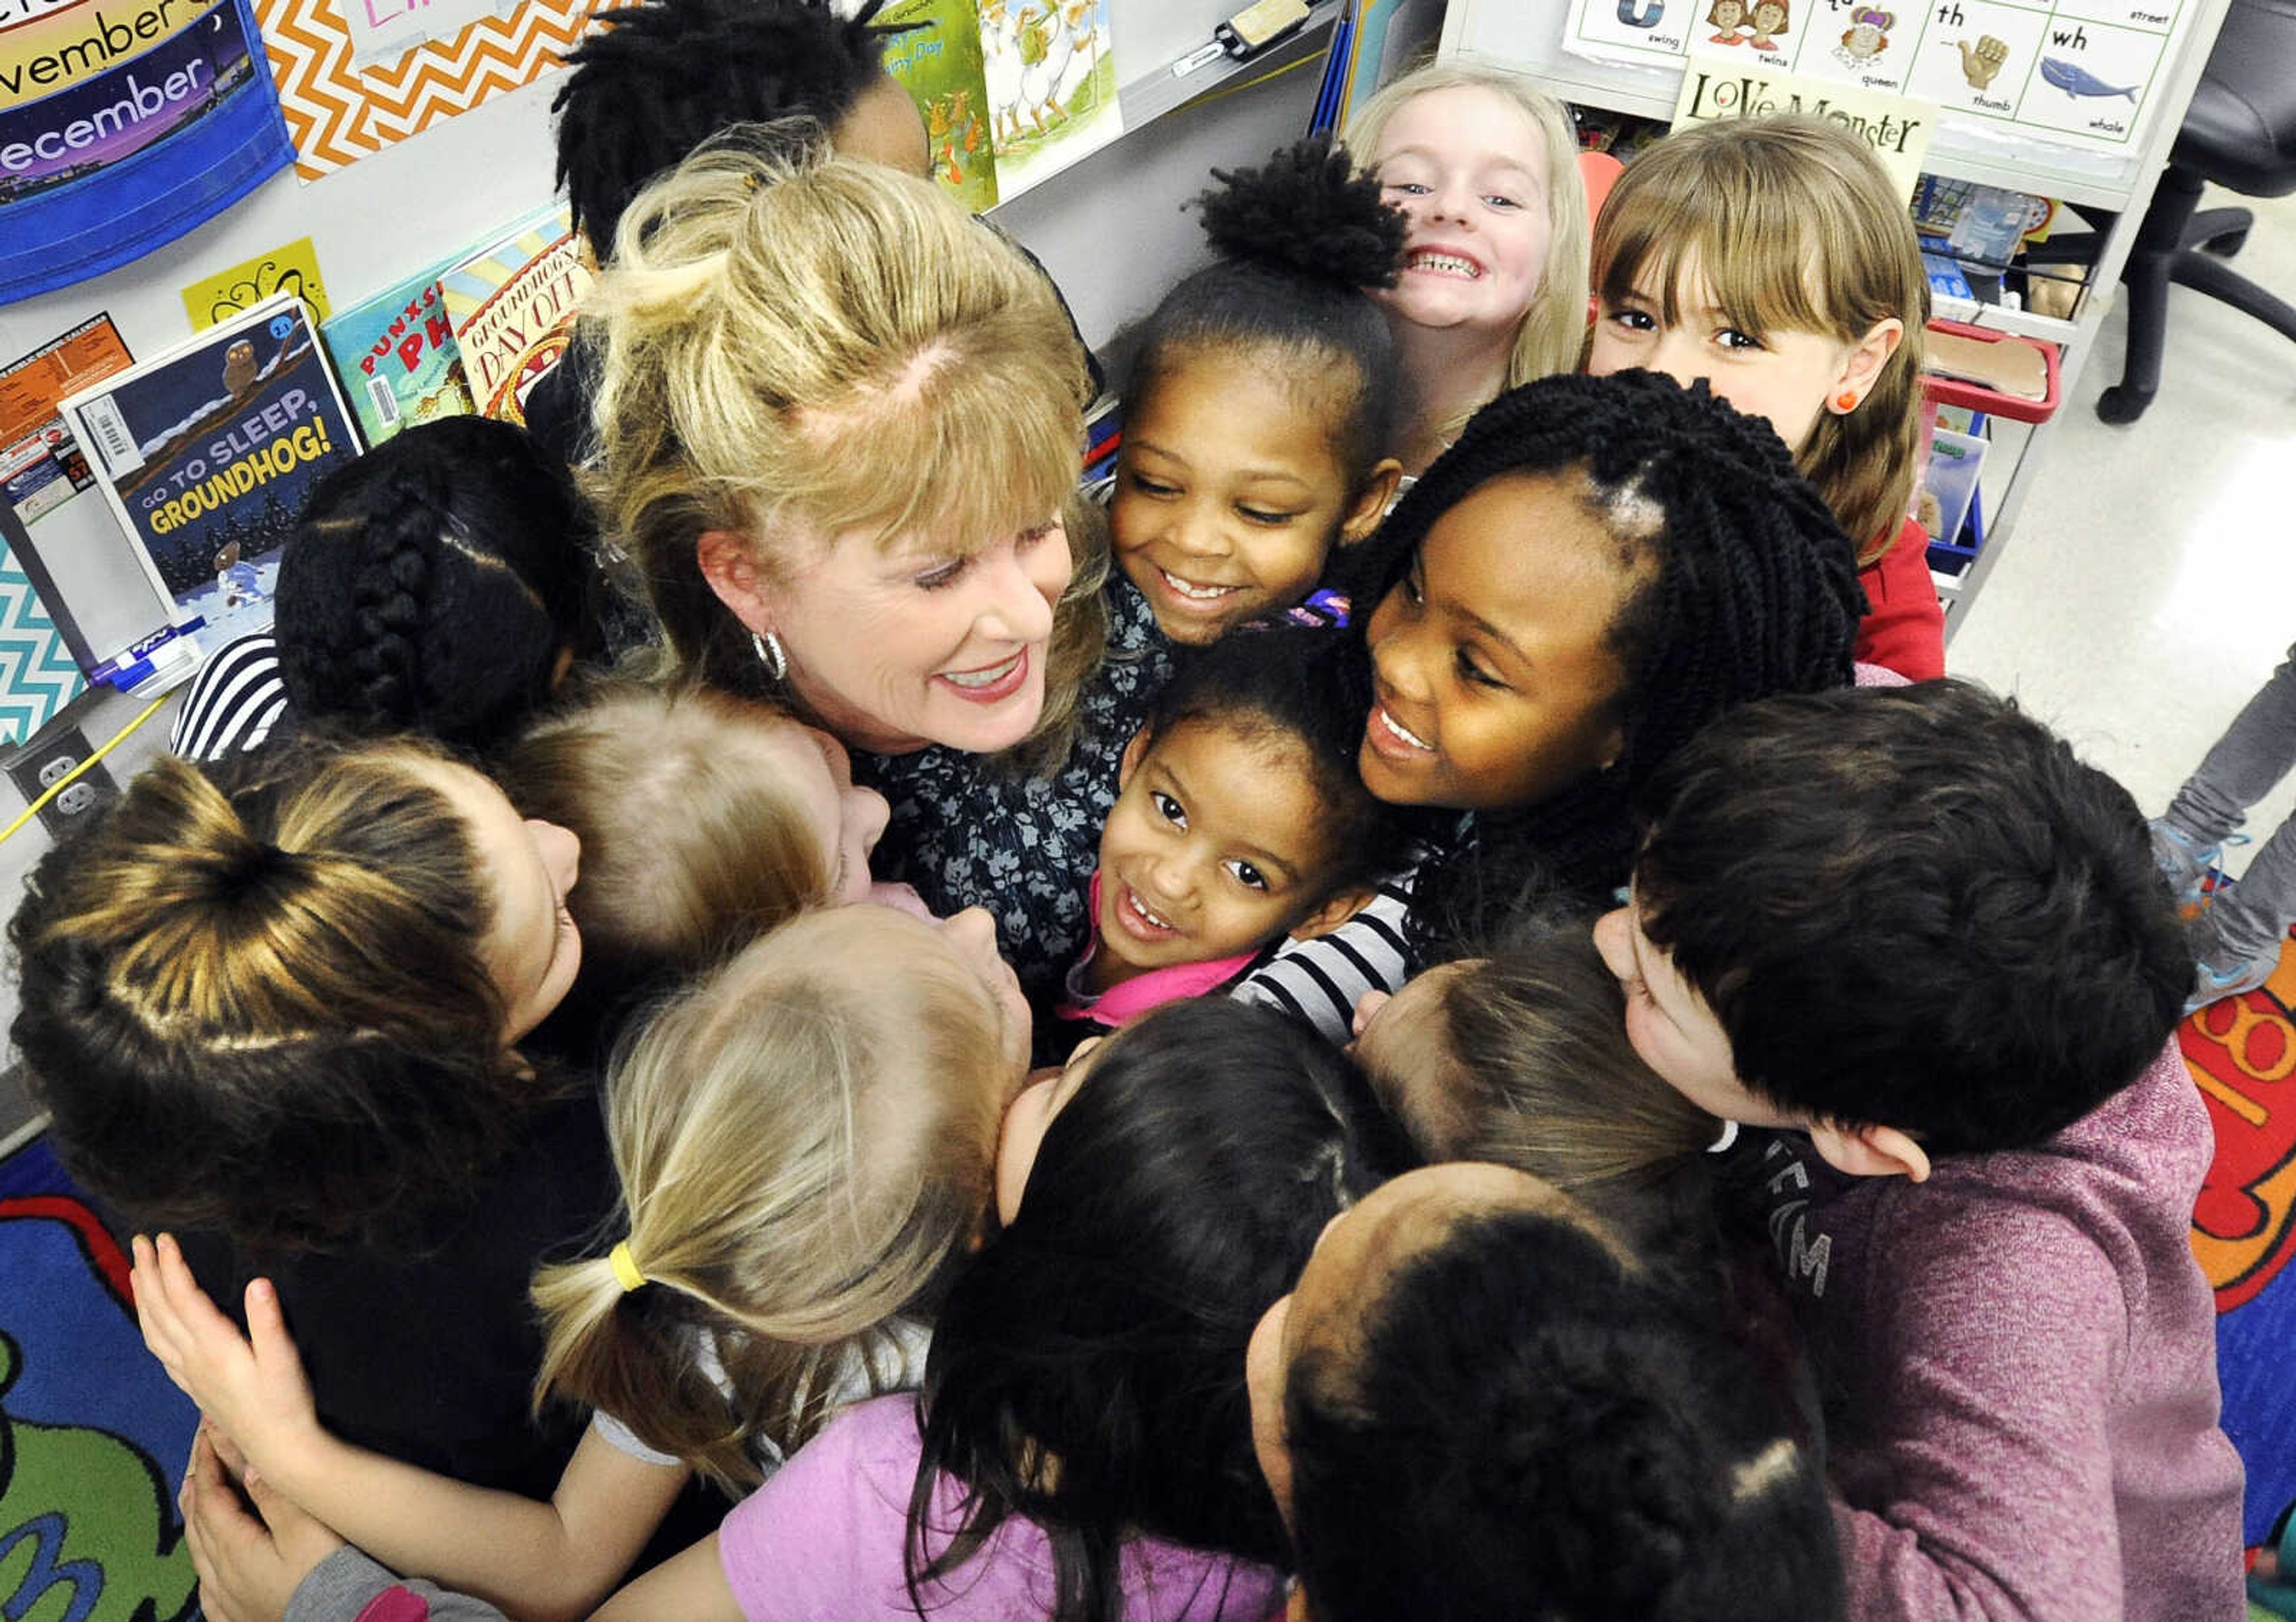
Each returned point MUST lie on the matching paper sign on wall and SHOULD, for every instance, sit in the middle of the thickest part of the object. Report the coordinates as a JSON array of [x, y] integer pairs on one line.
[[340, 108], [2075, 73], [1897, 127]]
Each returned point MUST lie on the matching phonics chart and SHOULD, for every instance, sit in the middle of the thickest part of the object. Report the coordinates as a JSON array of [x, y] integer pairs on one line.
[[2077, 71]]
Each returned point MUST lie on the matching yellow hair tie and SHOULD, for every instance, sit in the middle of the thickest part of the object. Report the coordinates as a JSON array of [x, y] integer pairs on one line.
[[626, 1271]]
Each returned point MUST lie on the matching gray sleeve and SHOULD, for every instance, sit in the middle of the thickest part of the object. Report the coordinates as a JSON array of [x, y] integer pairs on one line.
[[347, 1581]]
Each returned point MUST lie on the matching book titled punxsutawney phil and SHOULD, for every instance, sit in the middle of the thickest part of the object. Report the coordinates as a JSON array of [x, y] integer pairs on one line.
[[396, 356], [205, 454]]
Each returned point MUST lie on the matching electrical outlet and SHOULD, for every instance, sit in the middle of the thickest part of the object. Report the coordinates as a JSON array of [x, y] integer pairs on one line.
[[51, 757]]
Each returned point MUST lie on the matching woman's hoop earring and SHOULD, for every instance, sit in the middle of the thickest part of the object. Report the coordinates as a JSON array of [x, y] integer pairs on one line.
[[769, 649]]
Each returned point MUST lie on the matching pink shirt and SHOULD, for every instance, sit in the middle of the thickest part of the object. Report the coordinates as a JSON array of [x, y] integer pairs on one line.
[[1127, 999], [822, 1542], [2018, 1359]]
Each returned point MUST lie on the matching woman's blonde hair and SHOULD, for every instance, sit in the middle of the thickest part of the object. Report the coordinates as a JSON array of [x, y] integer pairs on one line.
[[1796, 225], [691, 845], [798, 346], [806, 1142], [257, 1002], [1554, 329]]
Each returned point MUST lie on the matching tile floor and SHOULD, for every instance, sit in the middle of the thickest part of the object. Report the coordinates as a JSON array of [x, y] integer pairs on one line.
[[2149, 586]]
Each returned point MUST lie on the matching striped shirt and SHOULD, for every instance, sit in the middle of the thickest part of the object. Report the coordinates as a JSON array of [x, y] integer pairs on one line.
[[234, 701], [1320, 981]]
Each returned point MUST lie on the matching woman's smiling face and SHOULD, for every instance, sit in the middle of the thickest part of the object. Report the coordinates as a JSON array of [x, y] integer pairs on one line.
[[926, 641]]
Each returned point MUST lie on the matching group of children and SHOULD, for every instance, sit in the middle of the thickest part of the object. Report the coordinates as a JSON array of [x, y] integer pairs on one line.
[[1124, 1299]]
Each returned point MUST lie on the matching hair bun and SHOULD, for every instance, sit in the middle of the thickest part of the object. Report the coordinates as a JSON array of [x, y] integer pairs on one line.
[[1307, 212], [246, 863]]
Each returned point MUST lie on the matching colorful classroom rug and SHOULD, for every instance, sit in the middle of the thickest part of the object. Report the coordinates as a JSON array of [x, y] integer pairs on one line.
[[93, 1436], [2243, 1054]]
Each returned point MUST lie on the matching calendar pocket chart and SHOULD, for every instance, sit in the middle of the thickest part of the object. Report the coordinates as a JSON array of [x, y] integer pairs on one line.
[[2075, 72]]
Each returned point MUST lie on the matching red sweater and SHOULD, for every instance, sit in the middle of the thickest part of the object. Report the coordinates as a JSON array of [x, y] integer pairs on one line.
[[1904, 627]]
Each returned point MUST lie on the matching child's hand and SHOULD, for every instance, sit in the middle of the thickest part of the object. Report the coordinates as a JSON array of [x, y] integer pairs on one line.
[[251, 1386], [249, 1566]]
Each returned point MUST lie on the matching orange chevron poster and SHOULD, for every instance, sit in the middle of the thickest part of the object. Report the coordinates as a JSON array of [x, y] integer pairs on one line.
[[341, 107]]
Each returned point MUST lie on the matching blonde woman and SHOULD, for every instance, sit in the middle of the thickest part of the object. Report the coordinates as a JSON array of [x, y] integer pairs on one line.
[[1493, 286], [840, 429], [806, 1143]]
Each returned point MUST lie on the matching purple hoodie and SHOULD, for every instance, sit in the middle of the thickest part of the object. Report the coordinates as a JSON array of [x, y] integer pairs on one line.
[[2018, 1358]]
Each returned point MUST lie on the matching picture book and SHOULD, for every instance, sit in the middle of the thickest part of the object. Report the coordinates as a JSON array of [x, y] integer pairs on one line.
[[396, 357], [933, 47], [204, 454], [1051, 72], [510, 306]]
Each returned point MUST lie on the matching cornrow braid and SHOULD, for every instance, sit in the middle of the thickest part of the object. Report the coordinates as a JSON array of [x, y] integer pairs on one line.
[[1751, 590], [663, 76], [434, 584], [391, 600]]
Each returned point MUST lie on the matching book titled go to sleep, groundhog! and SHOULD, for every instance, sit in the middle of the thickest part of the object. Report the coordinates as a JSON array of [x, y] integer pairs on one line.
[[205, 454]]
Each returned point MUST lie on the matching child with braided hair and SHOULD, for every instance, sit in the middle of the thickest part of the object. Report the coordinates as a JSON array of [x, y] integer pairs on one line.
[[1596, 569], [441, 583], [1257, 415], [1773, 258]]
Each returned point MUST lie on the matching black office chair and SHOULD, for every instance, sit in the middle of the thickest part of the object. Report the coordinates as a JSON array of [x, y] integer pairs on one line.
[[2240, 132]]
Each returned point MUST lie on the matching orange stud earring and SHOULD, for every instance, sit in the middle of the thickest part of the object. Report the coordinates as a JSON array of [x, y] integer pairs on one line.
[[1846, 402]]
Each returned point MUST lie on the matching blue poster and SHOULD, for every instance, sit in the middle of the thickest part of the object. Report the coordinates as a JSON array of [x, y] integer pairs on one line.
[[123, 124]]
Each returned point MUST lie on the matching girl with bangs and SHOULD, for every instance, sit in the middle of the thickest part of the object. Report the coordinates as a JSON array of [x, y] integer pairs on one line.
[[1773, 259], [840, 429]]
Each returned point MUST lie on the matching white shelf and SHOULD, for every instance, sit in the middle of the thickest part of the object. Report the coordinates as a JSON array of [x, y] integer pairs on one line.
[[1160, 90]]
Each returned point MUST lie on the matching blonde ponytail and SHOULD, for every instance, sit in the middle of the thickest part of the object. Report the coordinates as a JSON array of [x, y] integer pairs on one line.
[[804, 1142]]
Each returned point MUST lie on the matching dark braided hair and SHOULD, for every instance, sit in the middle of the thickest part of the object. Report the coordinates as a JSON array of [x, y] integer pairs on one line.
[[1299, 239], [433, 585], [1751, 590], [663, 76]]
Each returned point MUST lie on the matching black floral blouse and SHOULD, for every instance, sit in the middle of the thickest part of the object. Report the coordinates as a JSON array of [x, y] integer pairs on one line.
[[965, 835]]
